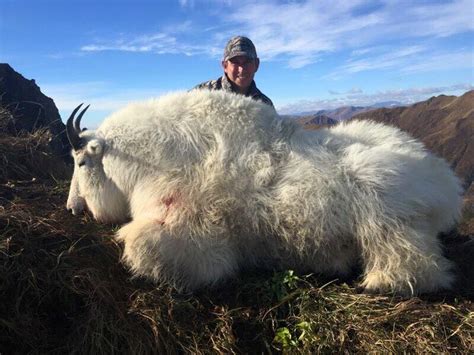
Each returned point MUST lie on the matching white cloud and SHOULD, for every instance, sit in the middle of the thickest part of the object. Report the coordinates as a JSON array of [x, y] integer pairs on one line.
[[186, 3], [359, 98], [389, 58], [302, 32], [179, 38], [442, 19], [309, 28], [355, 91], [351, 91], [191, 3], [442, 61], [406, 60]]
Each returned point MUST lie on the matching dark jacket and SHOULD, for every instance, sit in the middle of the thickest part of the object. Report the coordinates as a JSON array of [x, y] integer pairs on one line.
[[223, 83]]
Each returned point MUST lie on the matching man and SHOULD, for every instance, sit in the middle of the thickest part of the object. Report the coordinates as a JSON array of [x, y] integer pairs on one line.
[[240, 63]]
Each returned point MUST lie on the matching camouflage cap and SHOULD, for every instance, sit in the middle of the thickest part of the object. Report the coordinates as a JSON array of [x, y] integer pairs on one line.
[[240, 45]]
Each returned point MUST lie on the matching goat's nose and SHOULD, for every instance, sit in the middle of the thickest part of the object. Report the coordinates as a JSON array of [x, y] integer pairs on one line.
[[69, 209]]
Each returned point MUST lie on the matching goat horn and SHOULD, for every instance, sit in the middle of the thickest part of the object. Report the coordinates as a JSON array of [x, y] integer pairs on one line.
[[72, 134], [77, 121]]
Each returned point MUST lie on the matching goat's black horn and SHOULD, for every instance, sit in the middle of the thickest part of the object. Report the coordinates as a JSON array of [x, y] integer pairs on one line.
[[77, 121], [72, 134]]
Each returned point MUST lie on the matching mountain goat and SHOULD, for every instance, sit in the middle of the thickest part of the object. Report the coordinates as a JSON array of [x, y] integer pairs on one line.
[[211, 182]]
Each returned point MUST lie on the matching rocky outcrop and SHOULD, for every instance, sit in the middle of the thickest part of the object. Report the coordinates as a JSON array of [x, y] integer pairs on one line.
[[30, 109]]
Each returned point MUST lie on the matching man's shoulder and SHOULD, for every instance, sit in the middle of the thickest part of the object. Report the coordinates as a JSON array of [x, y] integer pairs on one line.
[[223, 83], [215, 84], [258, 95], [264, 98]]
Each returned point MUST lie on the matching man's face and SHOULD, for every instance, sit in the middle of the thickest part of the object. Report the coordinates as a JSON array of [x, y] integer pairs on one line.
[[240, 70]]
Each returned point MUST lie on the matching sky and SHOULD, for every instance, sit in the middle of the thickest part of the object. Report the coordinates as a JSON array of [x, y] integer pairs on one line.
[[315, 55]]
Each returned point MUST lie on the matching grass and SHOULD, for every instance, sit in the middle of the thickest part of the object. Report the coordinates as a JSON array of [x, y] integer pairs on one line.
[[63, 289]]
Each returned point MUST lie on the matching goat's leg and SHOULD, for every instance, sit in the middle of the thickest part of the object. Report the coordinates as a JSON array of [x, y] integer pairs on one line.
[[406, 261], [186, 261]]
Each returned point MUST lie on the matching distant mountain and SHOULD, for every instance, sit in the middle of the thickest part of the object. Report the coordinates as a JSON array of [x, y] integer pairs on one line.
[[328, 117], [345, 112], [315, 121], [445, 124]]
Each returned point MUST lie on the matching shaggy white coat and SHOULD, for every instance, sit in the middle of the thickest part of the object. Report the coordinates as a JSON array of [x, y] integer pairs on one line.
[[214, 182]]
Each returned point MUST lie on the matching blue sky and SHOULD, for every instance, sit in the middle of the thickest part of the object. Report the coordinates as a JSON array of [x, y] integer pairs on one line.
[[314, 54]]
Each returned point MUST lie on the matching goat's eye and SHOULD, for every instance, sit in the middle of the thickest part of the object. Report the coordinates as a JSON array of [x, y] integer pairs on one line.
[[81, 163]]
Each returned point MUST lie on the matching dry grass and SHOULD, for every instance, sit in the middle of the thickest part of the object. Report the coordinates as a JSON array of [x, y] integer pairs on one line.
[[27, 156], [64, 290]]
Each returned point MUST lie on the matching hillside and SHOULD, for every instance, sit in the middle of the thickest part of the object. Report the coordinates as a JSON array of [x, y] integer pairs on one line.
[[445, 124], [30, 109]]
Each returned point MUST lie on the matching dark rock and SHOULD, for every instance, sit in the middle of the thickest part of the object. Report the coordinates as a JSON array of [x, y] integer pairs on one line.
[[31, 109]]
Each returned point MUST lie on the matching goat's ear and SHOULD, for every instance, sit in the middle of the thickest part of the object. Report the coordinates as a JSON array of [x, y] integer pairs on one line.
[[95, 147]]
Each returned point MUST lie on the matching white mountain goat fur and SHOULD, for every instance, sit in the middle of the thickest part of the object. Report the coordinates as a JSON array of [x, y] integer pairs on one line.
[[212, 182]]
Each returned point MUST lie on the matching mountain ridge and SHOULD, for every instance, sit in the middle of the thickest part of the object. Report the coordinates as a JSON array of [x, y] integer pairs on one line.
[[445, 124], [345, 112]]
